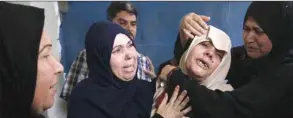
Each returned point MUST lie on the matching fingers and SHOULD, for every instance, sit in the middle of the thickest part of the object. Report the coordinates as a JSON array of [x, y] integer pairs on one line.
[[174, 95], [199, 25], [180, 99], [185, 111], [194, 24], [201, 21], [205, 18], [197, 29], [150, 73], [184, 103], [188, 34], [151, 64]]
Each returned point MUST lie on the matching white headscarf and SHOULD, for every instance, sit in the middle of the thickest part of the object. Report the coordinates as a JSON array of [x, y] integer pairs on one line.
[[221, 41]]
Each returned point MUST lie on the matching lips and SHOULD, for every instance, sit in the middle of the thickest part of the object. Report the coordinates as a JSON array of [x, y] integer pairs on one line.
[[252, 48], [202, 63], [129, 68], [53, 89]]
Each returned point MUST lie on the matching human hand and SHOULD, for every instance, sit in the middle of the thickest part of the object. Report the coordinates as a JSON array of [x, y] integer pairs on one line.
[[193, 25], [175, 107], [150, 72]]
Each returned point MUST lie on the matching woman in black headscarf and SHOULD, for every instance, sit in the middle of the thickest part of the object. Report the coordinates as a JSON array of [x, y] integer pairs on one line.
[[112, 89], [268, 94], [28, 70]]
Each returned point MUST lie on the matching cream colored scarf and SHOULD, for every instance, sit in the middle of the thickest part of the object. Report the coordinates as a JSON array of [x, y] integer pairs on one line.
[[221, 41]]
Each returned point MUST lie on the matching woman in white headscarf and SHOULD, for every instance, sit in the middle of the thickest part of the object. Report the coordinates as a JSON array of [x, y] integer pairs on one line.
[[207, 60]]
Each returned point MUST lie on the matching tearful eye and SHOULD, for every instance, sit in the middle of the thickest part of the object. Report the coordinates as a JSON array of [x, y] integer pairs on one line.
[[259, 31], [46, 56], [221, 56], [245, 28], [116, 51], [204, 44]]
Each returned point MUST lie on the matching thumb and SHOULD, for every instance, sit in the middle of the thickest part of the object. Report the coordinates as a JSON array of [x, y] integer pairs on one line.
[[205, 18]]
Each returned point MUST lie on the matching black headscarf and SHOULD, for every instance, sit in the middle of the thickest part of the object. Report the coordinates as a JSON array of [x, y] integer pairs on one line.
[[103, 94], [274, 17], [20, 33]]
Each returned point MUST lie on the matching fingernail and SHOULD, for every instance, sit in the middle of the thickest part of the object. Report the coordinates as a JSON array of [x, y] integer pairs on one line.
[[177, 87]]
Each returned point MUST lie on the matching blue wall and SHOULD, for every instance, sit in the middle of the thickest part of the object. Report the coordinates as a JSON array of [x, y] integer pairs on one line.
[[158, 24]]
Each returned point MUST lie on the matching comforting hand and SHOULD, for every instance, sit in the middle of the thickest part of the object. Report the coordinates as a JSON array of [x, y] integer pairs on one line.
[[150, 72], [175, 107], [193, 25]]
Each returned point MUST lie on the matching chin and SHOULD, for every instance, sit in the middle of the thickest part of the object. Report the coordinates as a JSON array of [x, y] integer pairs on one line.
[[253, 55], [128, 77], [196, 74], [48, 105]]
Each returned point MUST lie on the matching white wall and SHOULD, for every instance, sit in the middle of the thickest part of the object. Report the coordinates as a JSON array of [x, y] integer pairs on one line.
[[52, 23]]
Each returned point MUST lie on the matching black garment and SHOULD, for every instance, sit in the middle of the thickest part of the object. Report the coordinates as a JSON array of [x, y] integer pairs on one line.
[[163, 65], [268, 92], [178, 49], [157, 116], [20, 33], [103, 95], [241, 68]]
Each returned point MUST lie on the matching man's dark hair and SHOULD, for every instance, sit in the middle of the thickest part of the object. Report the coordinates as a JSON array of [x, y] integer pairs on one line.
[[117, 6]]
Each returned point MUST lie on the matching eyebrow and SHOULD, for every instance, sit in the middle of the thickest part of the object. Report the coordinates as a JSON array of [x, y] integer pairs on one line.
[[44, 47], [124, 20], [121, 19], [117, 46], [133, 21]]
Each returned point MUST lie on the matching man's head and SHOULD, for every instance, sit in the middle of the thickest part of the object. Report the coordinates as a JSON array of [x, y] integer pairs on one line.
[[124, 14]]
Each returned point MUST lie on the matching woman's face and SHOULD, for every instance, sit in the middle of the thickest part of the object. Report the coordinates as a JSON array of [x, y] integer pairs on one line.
[[256, 42], [48, 70], [123, 60], [203, 59]]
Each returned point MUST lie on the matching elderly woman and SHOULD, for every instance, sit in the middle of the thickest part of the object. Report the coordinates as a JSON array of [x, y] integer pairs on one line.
[[266, 64], [112, 89], [28, 70], [206, 60]]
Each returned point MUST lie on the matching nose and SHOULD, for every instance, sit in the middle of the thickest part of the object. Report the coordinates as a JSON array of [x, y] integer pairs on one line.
[[127, 54], [130, 53], [58, 67], [129, 28], [210, 53], [249, 37]]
